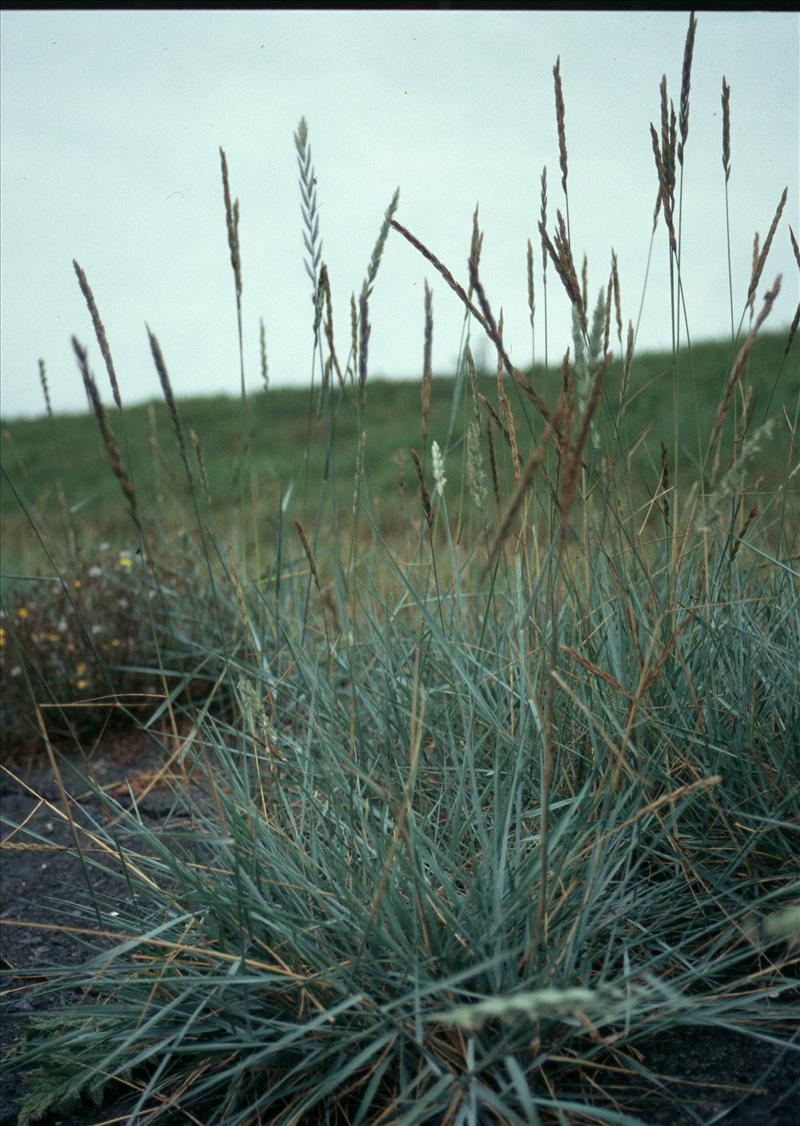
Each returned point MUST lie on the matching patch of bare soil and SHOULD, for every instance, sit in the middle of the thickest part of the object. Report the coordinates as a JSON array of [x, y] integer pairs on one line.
[[707, 1075]]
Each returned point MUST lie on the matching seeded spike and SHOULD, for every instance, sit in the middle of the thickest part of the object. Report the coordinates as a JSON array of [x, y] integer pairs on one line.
[[493, 461], [505, 408], [476, 245], [353, 333], [169, 399], [99, 331], [585, 282], [751, 290], [761, 261], [427, 372], [201, 464], [310, 211], [561, 257], [663, 484], [726, 129], [531, 298], [364, 331], [301, 532], [45, 389], [423, 489], [377, 253], [686, 82], [617, 297], [626, 369], [109, 441], [262, 341], [325, 292], [795, 247], [665, 195], [792, 330], [560, 116], [232, 224]]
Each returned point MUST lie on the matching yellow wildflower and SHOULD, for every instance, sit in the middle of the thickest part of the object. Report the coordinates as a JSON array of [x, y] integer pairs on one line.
[[22, 612]]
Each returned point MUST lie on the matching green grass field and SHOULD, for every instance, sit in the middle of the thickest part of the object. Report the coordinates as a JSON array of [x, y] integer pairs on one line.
[[287, 448]]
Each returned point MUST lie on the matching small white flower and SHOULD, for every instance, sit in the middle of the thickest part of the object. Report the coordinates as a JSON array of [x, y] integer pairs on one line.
[[16, 671], [439, 478], [95, 572], [62, 626]]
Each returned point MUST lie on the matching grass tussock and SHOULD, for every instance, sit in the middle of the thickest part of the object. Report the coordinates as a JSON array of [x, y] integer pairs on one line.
[[489, 755]]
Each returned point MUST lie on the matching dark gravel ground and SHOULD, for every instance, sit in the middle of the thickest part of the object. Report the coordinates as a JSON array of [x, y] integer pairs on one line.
[[713, 1075]]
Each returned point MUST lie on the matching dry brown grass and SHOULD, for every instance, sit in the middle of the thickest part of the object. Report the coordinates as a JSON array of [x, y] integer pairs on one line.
[[100, 332], [109, 441]]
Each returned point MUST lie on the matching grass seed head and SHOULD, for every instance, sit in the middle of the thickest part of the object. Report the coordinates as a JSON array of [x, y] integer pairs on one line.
[[232, 225], [100, 332], [726, 129], [45, 389], [427, 371], [560, 123], [686, 82]]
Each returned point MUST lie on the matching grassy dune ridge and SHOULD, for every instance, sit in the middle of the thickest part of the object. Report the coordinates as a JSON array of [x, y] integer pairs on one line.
[[285, 447]]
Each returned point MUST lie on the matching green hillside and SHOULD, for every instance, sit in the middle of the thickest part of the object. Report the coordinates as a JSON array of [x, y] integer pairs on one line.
[[60, 463]]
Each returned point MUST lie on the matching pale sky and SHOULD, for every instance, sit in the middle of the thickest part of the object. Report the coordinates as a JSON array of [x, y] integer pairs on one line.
[[111, 123]]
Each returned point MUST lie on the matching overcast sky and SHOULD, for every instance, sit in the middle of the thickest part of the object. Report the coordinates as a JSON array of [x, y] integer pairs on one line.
[[111, 123]]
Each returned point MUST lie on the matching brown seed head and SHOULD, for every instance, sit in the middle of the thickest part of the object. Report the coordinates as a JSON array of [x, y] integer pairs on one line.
[[106, 432], [531, 299], [99, 331], [795, 247], [423, 489], [726, 129], [364, 331], [232, 224], [617, 297], [45, 389], [560, 116], [665, 195], [761, 261], [686, 82], [169, 398]]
